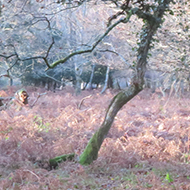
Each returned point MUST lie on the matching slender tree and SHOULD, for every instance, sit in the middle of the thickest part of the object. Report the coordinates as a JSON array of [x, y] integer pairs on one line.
[[106, 80]]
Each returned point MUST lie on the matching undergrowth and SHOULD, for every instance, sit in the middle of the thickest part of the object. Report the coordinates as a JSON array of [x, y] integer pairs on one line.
[[146, 148]]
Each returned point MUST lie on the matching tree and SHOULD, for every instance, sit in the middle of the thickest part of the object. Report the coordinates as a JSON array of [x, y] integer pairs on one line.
[[151, 23], [152, 14]]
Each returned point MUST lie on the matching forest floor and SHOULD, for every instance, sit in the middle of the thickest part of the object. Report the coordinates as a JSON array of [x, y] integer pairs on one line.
[[146, 148]]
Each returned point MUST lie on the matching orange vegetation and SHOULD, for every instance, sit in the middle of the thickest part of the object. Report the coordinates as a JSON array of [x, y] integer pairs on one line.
[[146, 148]]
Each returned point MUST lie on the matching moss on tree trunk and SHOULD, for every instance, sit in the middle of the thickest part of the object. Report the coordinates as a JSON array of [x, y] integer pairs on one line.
[[91, 151]]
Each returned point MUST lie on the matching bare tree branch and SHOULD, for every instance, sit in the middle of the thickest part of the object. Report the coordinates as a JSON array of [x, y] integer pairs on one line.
[[39, 95], [40, 18], [122, 20], [51, 45], [28, 58], [7, 56], [136, 11], [54, 79], [118, 54]]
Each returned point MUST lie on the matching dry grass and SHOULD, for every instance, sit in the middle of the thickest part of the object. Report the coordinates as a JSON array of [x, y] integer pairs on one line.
[[146, 148]]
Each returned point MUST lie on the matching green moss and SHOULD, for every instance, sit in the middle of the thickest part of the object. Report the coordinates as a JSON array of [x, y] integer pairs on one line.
[[55, 161], [91, 151]]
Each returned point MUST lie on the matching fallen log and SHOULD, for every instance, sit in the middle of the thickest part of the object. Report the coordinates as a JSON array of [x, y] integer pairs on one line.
[[53, 163]]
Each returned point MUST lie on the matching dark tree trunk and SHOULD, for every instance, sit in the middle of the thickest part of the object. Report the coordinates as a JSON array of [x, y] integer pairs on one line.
[[91, 77]]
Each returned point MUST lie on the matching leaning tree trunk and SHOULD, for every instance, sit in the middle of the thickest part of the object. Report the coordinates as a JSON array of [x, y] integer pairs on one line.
[[152, 22], [150, 27], [91, 151]]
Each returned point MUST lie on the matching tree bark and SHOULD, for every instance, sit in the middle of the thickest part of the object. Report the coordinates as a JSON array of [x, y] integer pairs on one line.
[[91, 151], [78, 72], [89, 85], [106, 80]]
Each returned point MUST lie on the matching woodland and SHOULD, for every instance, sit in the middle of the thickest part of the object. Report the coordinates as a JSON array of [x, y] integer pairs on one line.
[[94, 94]]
